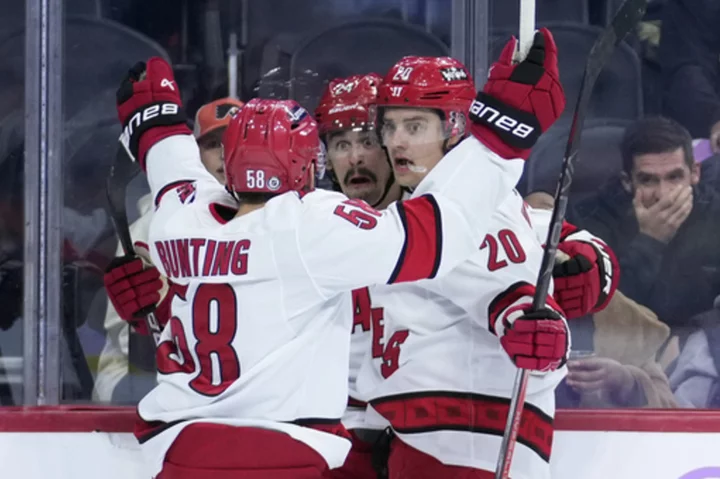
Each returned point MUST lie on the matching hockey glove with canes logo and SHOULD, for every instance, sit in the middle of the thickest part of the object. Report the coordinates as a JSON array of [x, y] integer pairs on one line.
[[519, 102], [534, 340], [149, 108], [586, 282], [134, 291]]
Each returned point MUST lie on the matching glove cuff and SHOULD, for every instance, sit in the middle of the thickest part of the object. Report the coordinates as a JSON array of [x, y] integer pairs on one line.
[[516, 129], [487, 137], [146, 120]]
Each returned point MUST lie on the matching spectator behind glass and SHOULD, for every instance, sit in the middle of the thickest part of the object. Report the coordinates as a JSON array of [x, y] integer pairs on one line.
[[612, 362], [661, 222], [688, 55], [696, 377]]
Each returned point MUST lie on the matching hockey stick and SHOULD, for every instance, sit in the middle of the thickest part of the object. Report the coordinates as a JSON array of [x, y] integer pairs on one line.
[[122, 172], [629, 14], [527, 29]]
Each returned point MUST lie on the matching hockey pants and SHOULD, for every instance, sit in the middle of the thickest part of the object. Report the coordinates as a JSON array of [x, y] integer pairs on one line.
[[217, 451]]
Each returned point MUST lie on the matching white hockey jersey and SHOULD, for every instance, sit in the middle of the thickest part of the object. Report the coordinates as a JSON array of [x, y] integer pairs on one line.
[[262, 309], [442, 380]]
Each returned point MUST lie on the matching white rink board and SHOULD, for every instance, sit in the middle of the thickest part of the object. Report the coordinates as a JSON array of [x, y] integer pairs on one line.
[[576, 455]]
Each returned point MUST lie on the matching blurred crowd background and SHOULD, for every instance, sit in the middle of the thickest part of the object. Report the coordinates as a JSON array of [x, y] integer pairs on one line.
[[647, 180]]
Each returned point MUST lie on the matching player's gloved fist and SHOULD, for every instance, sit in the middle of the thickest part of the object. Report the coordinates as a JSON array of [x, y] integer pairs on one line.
[[537, 340], [519, 102], [149, 107], [584, 283], [133, 289]]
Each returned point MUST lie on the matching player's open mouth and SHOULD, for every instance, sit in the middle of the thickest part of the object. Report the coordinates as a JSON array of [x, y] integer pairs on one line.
[[359, 180], [403, 164]]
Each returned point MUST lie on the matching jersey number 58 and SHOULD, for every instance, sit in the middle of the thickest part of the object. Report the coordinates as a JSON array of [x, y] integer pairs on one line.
[[219, 365]]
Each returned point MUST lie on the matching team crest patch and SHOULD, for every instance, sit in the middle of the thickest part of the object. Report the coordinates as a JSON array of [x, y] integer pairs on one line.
[[186, 192]]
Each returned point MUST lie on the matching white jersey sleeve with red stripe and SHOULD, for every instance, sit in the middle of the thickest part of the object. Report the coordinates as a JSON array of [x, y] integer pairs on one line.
[[346, 244], [443, 380], [175, 161]]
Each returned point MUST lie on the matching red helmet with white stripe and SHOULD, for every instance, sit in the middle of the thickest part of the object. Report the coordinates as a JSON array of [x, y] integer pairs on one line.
[[438, 83], [270, 147], [346, 103]]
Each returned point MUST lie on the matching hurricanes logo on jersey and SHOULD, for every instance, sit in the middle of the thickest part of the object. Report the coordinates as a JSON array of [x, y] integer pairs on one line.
[[186, 192]]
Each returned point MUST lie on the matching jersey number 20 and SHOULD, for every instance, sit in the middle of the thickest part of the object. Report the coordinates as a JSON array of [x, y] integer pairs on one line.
[[514, 251], [219, 365]]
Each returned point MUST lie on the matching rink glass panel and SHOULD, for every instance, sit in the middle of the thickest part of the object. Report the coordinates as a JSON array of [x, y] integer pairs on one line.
[[12, 231], [289, 49]]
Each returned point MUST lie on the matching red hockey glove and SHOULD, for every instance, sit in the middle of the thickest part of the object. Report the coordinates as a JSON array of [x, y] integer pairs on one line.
[[519, 102], [537, 341], [586, 282], [134, 290], [149, 108]]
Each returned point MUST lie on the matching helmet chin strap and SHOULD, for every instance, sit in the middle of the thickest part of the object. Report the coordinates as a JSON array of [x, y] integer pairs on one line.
[[388, 185]]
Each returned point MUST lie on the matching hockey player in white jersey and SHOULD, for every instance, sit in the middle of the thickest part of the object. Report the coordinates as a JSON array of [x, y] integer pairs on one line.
[[134, 286], [343, 117], [253, 363], [445, 375], [360, 168]]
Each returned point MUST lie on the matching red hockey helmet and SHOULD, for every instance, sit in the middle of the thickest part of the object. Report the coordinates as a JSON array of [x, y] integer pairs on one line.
[[438, 83], [270, 147], [346, 103]]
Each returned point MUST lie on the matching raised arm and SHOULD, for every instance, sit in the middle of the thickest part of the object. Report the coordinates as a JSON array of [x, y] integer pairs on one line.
[[151, 113]]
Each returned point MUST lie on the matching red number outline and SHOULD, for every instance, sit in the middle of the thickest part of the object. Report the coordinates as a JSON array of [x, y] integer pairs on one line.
[[358, 213], [512, 247], [173, 356]]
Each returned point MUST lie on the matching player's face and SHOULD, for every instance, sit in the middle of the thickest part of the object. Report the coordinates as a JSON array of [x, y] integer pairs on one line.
[[414, 139], [655, 175], [211, 154], [359, 164]]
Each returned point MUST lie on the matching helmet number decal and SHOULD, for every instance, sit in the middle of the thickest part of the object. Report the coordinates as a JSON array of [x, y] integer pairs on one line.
[[255, 179], [402, 73], [396, 91]]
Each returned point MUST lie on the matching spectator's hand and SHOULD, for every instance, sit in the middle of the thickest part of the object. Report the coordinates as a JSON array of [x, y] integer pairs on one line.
[[149, 107], [528, 96], [715, 137], [596, 374], [133, 289], [662, 220], [537, 341]]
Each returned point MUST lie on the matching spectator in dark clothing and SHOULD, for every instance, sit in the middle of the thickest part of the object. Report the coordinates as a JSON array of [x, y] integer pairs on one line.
[[662, 223], [688, 55]]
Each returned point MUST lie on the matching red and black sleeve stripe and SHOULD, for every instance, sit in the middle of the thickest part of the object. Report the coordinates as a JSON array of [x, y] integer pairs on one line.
[[421, 253], [511, 295], [170, 187]]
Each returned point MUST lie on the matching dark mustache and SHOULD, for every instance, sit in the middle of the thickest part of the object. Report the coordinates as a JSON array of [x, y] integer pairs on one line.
[[360, 171]]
